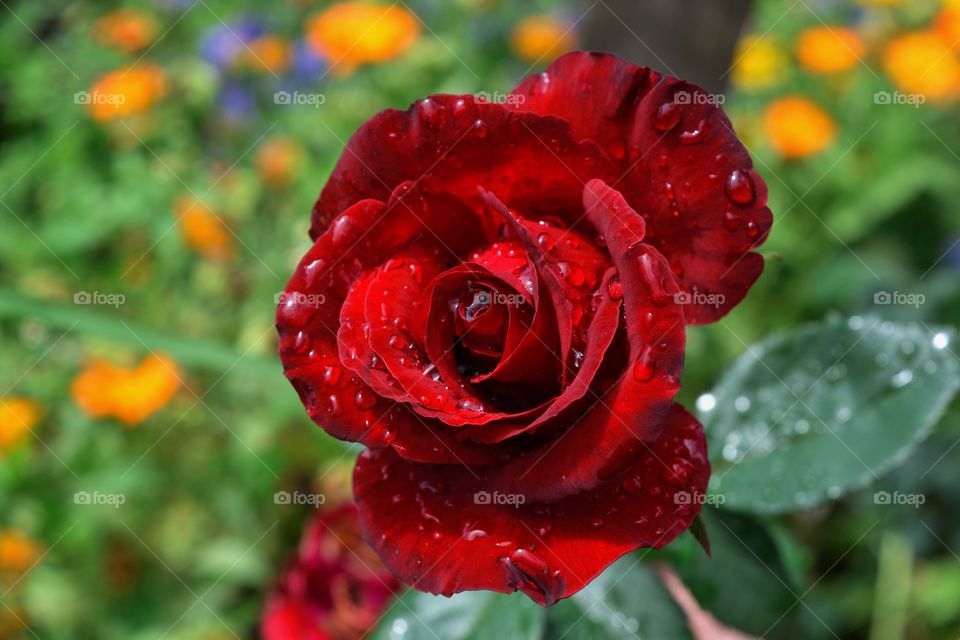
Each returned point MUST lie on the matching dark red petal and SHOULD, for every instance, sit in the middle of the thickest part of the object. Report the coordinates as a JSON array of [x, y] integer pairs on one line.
[[679, 162], [635, 405], [432, 527], [451, 144], [308, 319]]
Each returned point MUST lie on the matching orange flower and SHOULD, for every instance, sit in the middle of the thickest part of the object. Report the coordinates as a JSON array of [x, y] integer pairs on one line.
[[278, 161], [268, 54], [128, 30], [829, 49], [353, 33], [128, 394], [797, 128], [17, 417], [923, 63], [17, 552], [125, 92], [947, 23], [542, 37], [202, 229]]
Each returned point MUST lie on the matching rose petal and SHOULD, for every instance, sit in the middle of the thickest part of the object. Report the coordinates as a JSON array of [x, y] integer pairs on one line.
[[308, 319], [435, 529], [633, 407], [451, 144], [679, 163]]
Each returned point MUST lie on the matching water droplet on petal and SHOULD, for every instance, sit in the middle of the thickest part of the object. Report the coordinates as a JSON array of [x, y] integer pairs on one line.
[[666, 117], [364, 399], [739, 188]]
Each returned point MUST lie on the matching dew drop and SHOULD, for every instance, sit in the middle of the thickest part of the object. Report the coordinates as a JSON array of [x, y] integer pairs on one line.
[[739, 188], [941, 341], [342, 228], [615, 289], [666, 117], [480, 129], [706, 402], [364, 399]]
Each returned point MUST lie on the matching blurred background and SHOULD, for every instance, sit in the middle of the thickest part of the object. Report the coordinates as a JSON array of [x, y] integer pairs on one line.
[[158, 163]]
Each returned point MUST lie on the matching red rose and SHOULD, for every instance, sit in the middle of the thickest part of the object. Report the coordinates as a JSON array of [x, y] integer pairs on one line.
[[495, 305], [334, 589]]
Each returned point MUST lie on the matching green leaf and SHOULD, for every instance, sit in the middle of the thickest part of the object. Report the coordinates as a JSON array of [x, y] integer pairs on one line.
[[744, 584], [625, 601], [471, 615], [810, 414]]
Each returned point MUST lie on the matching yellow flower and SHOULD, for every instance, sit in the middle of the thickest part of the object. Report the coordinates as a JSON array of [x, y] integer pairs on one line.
[[542, 37], [128, 30], [278, 161], [923, 63], [348, 34], [17, 552], [126, 92], [17, 417], [130, 395], [758, 63], [269, 54], [797, 128], [202, 229], [829, 49]]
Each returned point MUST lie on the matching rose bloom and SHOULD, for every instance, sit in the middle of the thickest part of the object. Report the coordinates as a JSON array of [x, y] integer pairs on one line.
[[334, 587], [495, 304]]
